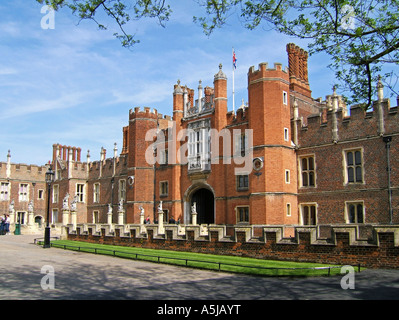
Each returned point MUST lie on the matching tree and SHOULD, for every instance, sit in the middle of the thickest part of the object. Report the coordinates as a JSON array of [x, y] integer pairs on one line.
[[121, 11], [361, 37]]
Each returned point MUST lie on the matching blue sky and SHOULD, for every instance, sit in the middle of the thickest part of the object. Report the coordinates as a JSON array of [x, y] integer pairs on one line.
[[75, 84]]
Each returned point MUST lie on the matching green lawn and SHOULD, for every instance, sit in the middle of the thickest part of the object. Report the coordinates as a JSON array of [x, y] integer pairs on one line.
[[205, 261]]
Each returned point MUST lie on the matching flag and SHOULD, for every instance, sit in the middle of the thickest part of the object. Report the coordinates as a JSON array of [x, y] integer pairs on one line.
[[234, 60]]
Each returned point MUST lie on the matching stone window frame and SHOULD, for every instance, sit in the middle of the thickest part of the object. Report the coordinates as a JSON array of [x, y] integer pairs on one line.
[[4, 192], [96, 193], [285, 98], [242, 188], [238, 214], [54, 217], [287, 176], [96, 216], [23, 195], [164, 154], [81, 194], [240, 144], [302, 213], [354, 166], [301, 171], [162, 187], [55, 193], [122, 190], [40, 194], [288, 209], [355, 203], [286, 134], [199, 148]]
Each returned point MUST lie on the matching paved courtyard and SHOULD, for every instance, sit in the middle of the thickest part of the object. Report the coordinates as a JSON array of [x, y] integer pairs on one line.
[[88, 276]]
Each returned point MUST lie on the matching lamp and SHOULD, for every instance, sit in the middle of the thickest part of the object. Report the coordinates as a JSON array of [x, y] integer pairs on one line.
[[49, 178]]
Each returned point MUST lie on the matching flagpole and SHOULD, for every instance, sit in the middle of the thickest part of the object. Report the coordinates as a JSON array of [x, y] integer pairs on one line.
[[233, 83]]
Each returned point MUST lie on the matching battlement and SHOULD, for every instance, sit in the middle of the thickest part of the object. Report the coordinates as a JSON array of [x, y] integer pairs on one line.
[[358, 124], [24, 168], [79, 166], [239, 117], [189, 105], [107, 165], [165, 117], [145, 113], [263, 71], [377, 247]]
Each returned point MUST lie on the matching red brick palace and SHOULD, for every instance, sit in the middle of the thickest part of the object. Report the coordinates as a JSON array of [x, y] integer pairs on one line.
[[311, 161]]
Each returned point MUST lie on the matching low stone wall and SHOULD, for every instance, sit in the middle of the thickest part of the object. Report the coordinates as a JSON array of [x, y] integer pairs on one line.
[[346, 244]]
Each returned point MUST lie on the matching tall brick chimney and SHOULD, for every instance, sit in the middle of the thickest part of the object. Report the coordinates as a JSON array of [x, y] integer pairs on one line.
[[298, 69]]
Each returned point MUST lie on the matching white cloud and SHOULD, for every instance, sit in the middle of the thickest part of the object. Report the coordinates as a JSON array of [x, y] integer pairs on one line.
[[68, 100], [75, 85], [7, 71]]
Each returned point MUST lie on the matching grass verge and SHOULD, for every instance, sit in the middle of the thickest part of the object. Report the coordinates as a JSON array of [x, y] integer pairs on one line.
[[234, 264]]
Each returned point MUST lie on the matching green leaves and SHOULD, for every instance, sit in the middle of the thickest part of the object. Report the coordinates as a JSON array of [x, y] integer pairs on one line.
[[360, 36], [120, 11]]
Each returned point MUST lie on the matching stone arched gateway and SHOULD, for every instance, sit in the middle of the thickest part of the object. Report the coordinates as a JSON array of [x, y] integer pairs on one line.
[[204, 197]]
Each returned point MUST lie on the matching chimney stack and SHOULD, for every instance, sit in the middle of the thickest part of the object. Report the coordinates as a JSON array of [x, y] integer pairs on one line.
[[298, 69]]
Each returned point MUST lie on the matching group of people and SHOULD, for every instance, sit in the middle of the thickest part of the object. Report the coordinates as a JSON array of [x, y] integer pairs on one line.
[[5, 224], [171, 221]]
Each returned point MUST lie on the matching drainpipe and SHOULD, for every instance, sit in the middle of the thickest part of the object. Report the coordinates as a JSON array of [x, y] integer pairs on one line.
[[154, 191], [335, 107], [154, 168], [112, 192], [380, 110], [387, 140]]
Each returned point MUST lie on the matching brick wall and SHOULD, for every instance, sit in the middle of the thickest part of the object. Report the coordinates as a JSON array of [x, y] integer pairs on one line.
[[33, 177], [331, 190], [370, 246]]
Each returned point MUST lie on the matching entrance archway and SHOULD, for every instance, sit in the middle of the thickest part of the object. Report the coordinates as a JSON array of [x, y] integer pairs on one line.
[[205, 204], [39, 221]]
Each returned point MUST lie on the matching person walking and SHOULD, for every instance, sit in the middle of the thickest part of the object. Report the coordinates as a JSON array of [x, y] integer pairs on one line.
[[2, 222], [7, 225]]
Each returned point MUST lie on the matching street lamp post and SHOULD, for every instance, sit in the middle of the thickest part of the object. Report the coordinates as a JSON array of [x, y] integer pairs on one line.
[[49, 179]]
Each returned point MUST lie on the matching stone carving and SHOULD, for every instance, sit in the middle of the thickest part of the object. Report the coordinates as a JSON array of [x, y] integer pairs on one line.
[[194, 208], [30, 206], [73, 203], [65, 203], [11, 206], [120, 205]]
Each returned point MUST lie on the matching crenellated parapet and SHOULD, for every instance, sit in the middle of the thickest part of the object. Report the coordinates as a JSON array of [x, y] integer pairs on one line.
[[334, 125], [239, 117], [19, 170], [265, 73], [375, 247], [108, 164], [145, 113]]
